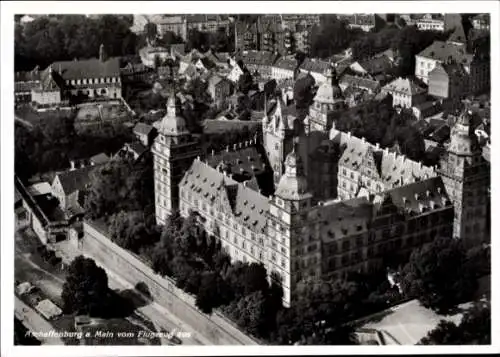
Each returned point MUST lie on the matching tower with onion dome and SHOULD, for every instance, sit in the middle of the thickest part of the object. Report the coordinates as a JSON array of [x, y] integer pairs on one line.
[[289, 231], [174, 151], [466, 175], [328, 99]]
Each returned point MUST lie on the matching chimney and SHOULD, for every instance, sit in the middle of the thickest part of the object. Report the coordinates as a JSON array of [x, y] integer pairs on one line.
[[235, 146], [198, 157], [377, 146], [82, 164], [72, 163], [213, 152], [227, 148]]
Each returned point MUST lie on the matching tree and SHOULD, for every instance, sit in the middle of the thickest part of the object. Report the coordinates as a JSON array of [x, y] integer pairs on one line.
[[303, 94], [213, 292], [198, 40], [151, 30], [86, 288], [129, 231], [474, 329], [46, 40], [249, 313], [437, 275], [330, 38], [245, 82]]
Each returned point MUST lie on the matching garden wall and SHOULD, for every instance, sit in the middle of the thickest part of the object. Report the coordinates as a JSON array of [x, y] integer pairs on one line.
[[215, 327]]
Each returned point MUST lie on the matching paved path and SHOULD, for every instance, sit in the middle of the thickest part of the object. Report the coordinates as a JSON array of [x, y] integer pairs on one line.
[[35, 323]]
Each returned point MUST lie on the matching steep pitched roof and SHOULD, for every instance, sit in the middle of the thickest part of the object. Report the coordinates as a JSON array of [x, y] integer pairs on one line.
[[376, 65], [420, 196], [142, 128], [360, 82], [247, 206], [89, 68], [404, 85], [345, 218], [98, 159], [75, 180], [286, 63], [442, 51], [314, 65]]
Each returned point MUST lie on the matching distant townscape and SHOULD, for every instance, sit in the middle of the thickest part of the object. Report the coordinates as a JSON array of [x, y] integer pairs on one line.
[[291, 179]]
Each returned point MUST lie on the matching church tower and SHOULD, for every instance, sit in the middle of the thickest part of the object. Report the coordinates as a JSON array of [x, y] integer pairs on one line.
[[466, 175], [174, 151], [289, 229]]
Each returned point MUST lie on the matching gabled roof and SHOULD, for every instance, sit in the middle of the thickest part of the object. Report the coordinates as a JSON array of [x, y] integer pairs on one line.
[[418, 197], [314, 65], [442, 51], [142, 128], [376, 65], [75, 180], [101, 158], [359, 82], [247, 206], [458, 35], [260, 58], [88, 68], [404, 85], [286, 63]]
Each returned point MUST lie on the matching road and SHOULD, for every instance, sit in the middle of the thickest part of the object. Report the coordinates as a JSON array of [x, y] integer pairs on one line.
[[161, 318], [35, 323], [29, 270]]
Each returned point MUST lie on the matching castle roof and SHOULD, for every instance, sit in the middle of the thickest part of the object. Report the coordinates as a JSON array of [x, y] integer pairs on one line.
[[247, 206], [394, 170]]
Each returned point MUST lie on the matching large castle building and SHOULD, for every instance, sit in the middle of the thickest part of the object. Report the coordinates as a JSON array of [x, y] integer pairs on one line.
[[312, 203]]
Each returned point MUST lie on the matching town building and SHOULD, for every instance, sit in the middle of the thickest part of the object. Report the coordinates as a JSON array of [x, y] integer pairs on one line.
[[154, 56], [170, 23], [365, 22], [284, 68], [454, 49], [448, 80], [68, 187], [208, 22], [24, 83], [145, 133], [83, 80], [316, 68], [219, 88], [258, 61], [431, 22], [246, 36], [466, 175], [405, 92], [377, 68], [271, 34]]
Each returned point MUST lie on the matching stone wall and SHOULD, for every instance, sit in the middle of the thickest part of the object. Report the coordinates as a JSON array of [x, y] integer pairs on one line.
[[215, 327]]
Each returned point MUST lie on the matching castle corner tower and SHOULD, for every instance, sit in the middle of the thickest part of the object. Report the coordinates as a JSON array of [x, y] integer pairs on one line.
[[174, 151]]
